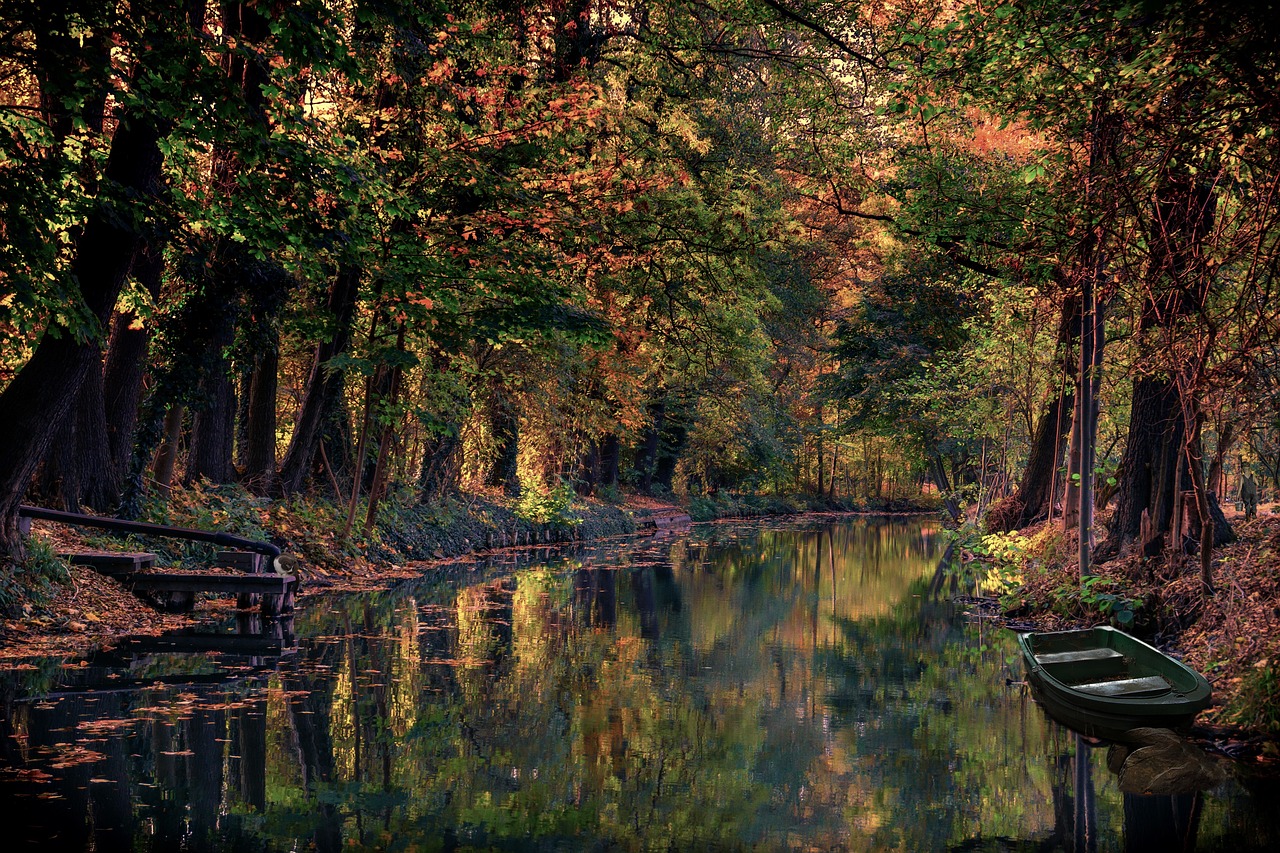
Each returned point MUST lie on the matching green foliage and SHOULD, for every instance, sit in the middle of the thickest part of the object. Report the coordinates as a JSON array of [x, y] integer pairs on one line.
[[1257, 705], [1007, 554], [1103, 596], [33, 580], [203, 506], [552, 506]]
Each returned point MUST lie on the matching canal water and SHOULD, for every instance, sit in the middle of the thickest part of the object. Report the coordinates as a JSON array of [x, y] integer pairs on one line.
[[787, 685]]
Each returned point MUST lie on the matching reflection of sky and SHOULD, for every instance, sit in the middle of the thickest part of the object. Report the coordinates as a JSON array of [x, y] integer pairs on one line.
[[791, 684]]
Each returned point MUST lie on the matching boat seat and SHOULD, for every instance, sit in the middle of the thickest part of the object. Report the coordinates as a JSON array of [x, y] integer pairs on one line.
[[1149, 685], [1079, 655]]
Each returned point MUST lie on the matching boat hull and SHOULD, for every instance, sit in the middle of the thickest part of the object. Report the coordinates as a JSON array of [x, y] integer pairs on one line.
[[1103, 682]]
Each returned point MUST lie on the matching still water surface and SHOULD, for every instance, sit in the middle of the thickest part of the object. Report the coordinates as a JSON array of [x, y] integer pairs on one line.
[[799, 685]]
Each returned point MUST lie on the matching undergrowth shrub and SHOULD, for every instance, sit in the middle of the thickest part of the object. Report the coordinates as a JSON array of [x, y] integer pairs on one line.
[[548, 506], [1257, 705], [34, 580], [199, 506]]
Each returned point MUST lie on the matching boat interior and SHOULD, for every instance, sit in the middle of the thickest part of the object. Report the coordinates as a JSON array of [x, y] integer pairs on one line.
[[1100, 670]]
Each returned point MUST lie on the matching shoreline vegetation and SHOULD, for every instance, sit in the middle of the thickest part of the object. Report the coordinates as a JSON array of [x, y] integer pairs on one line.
[[65, 609], [1025, 579], [1029, 579]]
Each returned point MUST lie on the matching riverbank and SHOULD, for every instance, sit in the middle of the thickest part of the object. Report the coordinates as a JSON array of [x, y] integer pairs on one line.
[[74, 609], [1231, 634], [723, 505], [80, 609]]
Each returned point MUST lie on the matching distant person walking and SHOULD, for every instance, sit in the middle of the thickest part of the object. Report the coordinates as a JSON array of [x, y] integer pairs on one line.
[[1249, 497]]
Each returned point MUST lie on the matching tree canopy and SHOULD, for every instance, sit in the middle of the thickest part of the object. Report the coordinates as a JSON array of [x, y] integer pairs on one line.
[[390, 251]]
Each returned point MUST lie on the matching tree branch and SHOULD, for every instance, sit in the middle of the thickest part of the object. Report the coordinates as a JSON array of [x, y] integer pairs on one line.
[[816, 27]]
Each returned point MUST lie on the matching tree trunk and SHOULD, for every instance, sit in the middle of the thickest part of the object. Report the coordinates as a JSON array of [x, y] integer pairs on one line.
[[944, 486], [127, 363], [647, 453], [504, 423], [669, 450], [392, 396], [233, 273], [1071, 498], [1148, 475], [43, 393], [1183, 214], [260, 424], [1195, 463], [588, 469], [78, 468], [1226, 437], [1031, 502], [822, 467], [609, 453], [323, 395], [213, 434], [213, 428], [167, 456], [440, 467]]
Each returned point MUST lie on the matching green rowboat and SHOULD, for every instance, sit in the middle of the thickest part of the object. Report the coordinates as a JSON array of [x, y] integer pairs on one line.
[[1102, 682]]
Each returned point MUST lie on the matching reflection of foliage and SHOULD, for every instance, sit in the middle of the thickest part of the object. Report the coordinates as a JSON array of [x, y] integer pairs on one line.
[[925, 690], [737, 688]]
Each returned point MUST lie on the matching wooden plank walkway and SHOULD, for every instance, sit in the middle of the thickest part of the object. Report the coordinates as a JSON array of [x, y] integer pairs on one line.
[[663, 520], [248, 579], [111, 562]]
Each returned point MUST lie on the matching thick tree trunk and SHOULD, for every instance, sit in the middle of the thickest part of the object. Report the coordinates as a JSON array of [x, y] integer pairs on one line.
[[588, 469], [1183, 214], [213, 428], [1149, 467], [167, 456], [504, 423], [213, 435], [441, 467], [674, 438], [44, 392], [1031, 502], [78, 468], [940, 480], [233, 272], [610, 451], [268, 285], [647, 453], [260, 424], [322, 399], [127, 363]]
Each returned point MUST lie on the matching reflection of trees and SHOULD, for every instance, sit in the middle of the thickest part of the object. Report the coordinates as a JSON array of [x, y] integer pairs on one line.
[[766, 691], [940, 753], [1161, 824], [596, 596], [149, 767]]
